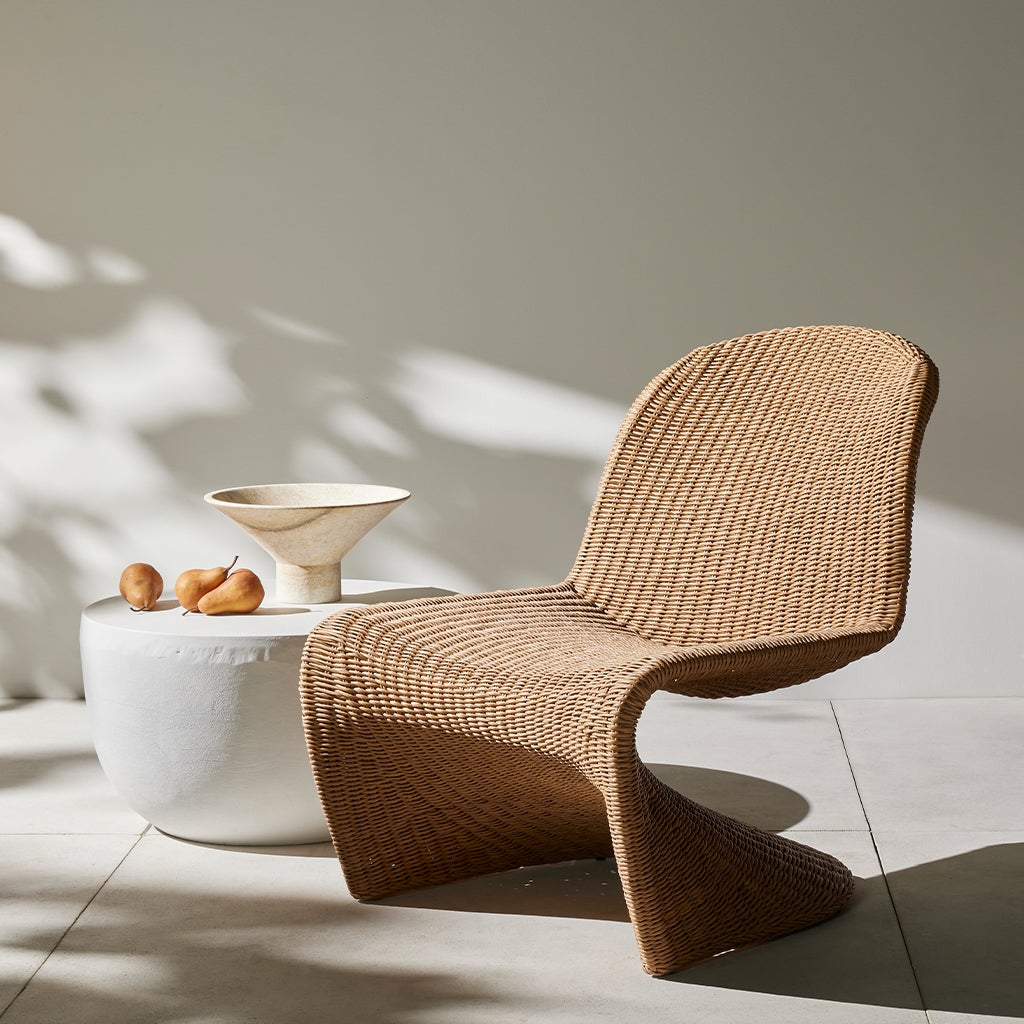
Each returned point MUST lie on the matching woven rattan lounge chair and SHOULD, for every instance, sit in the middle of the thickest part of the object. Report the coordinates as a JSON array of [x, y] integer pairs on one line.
[[751, 531]]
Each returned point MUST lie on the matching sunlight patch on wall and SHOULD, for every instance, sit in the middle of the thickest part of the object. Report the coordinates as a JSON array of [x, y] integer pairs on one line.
[[398, 559], [59, 463], [357, 425], [111, 267], [28, 260], [289, 327], [963, 616], [165, 365], [964, 598], [316, 460], [487, 406]]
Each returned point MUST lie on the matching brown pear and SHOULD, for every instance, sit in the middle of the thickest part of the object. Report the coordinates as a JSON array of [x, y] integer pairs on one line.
[[141, 586], [193, 584], [241, 592]]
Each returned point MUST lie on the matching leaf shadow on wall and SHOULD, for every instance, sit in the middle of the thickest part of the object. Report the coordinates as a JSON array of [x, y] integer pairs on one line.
[[128, 402]]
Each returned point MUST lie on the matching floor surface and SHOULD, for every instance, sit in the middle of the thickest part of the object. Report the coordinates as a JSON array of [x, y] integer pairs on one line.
[[104, 920]]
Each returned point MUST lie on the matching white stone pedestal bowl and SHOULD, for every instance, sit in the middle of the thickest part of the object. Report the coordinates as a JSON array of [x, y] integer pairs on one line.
[[307, 529]]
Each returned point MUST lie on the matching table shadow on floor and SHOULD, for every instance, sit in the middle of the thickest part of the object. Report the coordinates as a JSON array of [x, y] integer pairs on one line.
[[317, 849], [20, 771]]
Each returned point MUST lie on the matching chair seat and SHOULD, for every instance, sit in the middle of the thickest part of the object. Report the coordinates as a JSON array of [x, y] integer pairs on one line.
[[540, 668], [546, 634]]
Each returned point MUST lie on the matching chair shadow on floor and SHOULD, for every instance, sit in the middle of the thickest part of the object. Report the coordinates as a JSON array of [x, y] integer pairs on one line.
[[591, 889], [962, 915]]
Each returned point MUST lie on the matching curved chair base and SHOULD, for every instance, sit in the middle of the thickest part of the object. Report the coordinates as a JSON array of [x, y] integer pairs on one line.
[[699, 883], [414, 807]]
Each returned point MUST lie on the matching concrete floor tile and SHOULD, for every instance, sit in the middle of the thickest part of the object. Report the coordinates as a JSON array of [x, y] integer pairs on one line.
[[776, 764], [50, 780], [946, 1017], [935, 765], [45, 883], [189, 933], [960, 899]]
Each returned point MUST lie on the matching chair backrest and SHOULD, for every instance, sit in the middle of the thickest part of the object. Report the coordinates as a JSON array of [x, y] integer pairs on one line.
[[763, 486]]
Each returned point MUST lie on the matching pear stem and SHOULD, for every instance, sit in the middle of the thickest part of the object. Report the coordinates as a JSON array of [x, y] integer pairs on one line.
[[233, 560]]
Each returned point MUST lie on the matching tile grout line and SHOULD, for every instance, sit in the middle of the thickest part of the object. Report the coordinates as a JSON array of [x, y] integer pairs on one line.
[[881, 866], [78, 916]]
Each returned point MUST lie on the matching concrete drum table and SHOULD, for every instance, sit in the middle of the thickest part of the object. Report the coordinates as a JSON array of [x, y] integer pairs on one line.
[[196, 719]]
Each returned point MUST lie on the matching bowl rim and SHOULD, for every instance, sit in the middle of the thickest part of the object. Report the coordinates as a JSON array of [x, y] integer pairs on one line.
[[388, 494]]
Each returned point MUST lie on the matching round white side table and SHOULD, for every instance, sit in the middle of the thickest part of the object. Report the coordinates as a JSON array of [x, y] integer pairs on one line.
[[196, 719]]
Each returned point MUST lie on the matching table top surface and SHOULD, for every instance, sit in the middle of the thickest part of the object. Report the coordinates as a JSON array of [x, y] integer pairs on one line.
[[270, 619]]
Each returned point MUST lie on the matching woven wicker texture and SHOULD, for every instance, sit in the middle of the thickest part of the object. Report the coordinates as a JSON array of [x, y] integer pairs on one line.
[[751, 531]]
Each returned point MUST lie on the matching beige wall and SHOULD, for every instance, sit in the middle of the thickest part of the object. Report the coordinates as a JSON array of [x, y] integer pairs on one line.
[[443, 245]]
